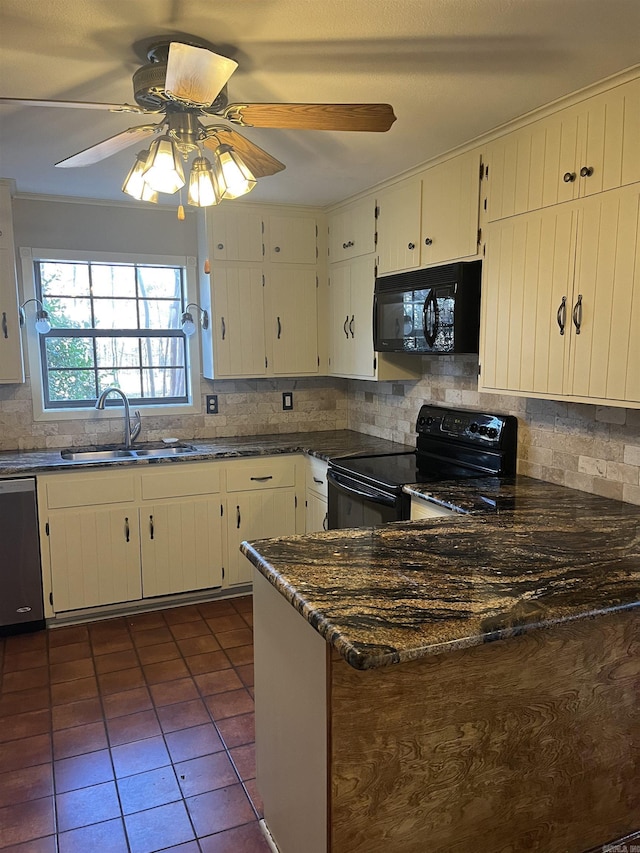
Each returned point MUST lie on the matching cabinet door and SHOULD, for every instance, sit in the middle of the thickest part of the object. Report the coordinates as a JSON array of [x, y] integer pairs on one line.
[[339, 315], [316, 513], [95, 557], [352, 231], [11, 364], [605, 355], [294, 320], [235, 235], [181, 546], [256, 515], [238, 321], [292, 240], [450, 194], [399, 226], [527, 274], [360, 325]]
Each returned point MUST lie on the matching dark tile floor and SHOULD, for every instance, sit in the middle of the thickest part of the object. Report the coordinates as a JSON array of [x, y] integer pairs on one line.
[[131, 735]]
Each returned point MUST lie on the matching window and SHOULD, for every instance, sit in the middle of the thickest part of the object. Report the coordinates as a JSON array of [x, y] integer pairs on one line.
[[112, 323]]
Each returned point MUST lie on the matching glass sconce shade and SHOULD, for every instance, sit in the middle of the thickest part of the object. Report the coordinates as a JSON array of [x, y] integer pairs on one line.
[[187, 322], [42, 323], [163, 170], [203, 187], [135, 184], [233, 176]]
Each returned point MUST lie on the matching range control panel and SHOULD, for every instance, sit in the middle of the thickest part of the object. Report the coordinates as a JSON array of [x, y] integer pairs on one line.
[[474, 428]]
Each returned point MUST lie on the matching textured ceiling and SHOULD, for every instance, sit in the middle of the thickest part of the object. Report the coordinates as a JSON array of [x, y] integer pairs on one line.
[[452, 69]]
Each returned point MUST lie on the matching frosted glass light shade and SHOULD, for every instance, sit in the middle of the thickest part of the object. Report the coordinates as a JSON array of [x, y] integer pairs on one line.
[[203, 188], [163, 170], [135, 184], [233, 176]]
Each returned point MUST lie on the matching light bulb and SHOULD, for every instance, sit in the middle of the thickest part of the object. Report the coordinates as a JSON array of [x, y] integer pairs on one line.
[[188, 326], [42, 324]]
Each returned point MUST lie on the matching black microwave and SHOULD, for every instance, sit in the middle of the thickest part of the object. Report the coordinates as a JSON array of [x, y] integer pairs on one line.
[[435, 310]]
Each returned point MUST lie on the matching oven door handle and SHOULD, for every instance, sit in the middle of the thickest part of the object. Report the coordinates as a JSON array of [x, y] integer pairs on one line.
[[372, 496]]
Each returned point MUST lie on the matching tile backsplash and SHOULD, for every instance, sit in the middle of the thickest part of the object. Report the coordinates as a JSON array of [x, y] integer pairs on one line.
[[592, 448]]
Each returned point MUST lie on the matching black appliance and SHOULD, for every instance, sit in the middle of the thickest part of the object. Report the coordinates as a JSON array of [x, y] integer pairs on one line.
[[434, 310], [451, 444]]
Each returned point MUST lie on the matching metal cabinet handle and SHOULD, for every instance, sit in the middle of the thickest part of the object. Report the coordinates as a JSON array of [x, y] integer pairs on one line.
[[224, 328], [238, 518], [5, 328], [220, 246], [348, 245], [276, 248], [126, 530], [344, 326], [569, 177], [411, 246], [151, 529], [561, 315], [353, 317], [428, 241], [577, 314], [262, 479], [279, 328], [325, 521], [586, 171], [316, 480]]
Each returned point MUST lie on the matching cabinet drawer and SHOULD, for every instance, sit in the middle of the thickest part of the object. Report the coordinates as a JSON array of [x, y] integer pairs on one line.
[[252, 474], [89, 490], [181, 482], [317, 476]]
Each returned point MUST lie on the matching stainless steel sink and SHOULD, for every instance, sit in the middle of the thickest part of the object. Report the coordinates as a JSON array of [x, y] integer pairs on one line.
[[114, 453]]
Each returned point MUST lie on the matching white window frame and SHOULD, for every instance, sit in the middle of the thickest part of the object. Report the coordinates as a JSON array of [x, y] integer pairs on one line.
[[27, 257]]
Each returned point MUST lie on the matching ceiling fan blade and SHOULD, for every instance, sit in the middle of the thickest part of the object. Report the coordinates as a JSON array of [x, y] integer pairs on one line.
[[195, 76], [260, 163], [81, 105], [110, 146], [369, 117]]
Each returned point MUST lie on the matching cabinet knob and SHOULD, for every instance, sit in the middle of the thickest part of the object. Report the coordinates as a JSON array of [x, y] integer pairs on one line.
[[428, 241], [411, 246], [276, 248], [586, 171], [569, 177], [220, 246]]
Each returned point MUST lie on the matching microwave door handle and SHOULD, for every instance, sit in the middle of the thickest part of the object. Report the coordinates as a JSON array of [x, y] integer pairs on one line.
[[373, 497], [430, 336]]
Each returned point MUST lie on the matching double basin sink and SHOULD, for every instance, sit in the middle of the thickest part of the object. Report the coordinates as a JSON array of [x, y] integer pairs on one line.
[[118, 453]]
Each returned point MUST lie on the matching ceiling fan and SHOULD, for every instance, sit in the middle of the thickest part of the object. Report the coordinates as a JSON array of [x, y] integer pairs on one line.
[[185, 83]]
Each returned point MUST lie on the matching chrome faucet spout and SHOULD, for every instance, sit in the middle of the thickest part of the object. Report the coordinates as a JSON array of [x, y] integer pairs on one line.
[[130, 434]]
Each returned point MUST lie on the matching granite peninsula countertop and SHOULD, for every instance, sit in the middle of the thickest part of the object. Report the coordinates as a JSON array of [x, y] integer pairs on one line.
[[325, 445], [523, 554]]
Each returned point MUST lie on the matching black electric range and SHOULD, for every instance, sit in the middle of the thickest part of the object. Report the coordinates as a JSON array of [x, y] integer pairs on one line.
[[450, 444]]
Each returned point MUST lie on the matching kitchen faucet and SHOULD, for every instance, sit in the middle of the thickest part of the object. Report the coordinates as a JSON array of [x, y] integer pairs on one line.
[[130, 433]]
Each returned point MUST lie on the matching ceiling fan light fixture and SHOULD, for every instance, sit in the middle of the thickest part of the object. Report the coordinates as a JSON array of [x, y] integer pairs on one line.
[[232, 174], [135, 184], [203, 186], [163, 170]]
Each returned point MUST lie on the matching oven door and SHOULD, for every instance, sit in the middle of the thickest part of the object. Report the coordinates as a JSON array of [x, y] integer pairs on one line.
[[352, 503]]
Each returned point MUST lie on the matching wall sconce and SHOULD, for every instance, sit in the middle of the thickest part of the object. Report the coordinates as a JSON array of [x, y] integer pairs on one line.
[[187, 321], [42, 324]]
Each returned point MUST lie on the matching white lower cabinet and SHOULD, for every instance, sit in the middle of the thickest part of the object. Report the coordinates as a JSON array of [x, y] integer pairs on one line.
[[316, 515], [424, 508]]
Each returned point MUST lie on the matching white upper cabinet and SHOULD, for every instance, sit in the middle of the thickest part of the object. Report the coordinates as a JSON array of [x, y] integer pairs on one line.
[[350, 319], [352, 231], [235, 234], [585, 149], [294, 322], [399, 226], [11, 363], [292, 240], [450, 198]]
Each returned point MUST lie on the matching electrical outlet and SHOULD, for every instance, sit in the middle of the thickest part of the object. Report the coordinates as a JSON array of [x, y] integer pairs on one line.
[[212, 404], [287, 401]]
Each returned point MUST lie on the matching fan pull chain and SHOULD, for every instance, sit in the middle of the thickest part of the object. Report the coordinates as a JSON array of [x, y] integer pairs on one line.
[[181, 213], [207, 265]]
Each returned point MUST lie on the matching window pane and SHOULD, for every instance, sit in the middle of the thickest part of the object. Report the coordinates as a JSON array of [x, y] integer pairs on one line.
[[64, 278], [109, 280], [69, 352], [72, 385], [160, 314], [127, 380], [69, 313], [117, 352], [115, 313], [160, 282], [163, 352], [163, 382]]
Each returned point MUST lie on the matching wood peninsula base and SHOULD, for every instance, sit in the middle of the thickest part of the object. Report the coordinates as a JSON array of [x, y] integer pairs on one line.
[[528, 743]]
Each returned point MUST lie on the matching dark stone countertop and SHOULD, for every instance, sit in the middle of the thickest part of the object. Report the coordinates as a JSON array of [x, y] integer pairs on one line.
[[522, 555], [323, 444]]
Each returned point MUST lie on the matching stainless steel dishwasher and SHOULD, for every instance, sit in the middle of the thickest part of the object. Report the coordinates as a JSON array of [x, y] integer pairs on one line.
[[21, 607]]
